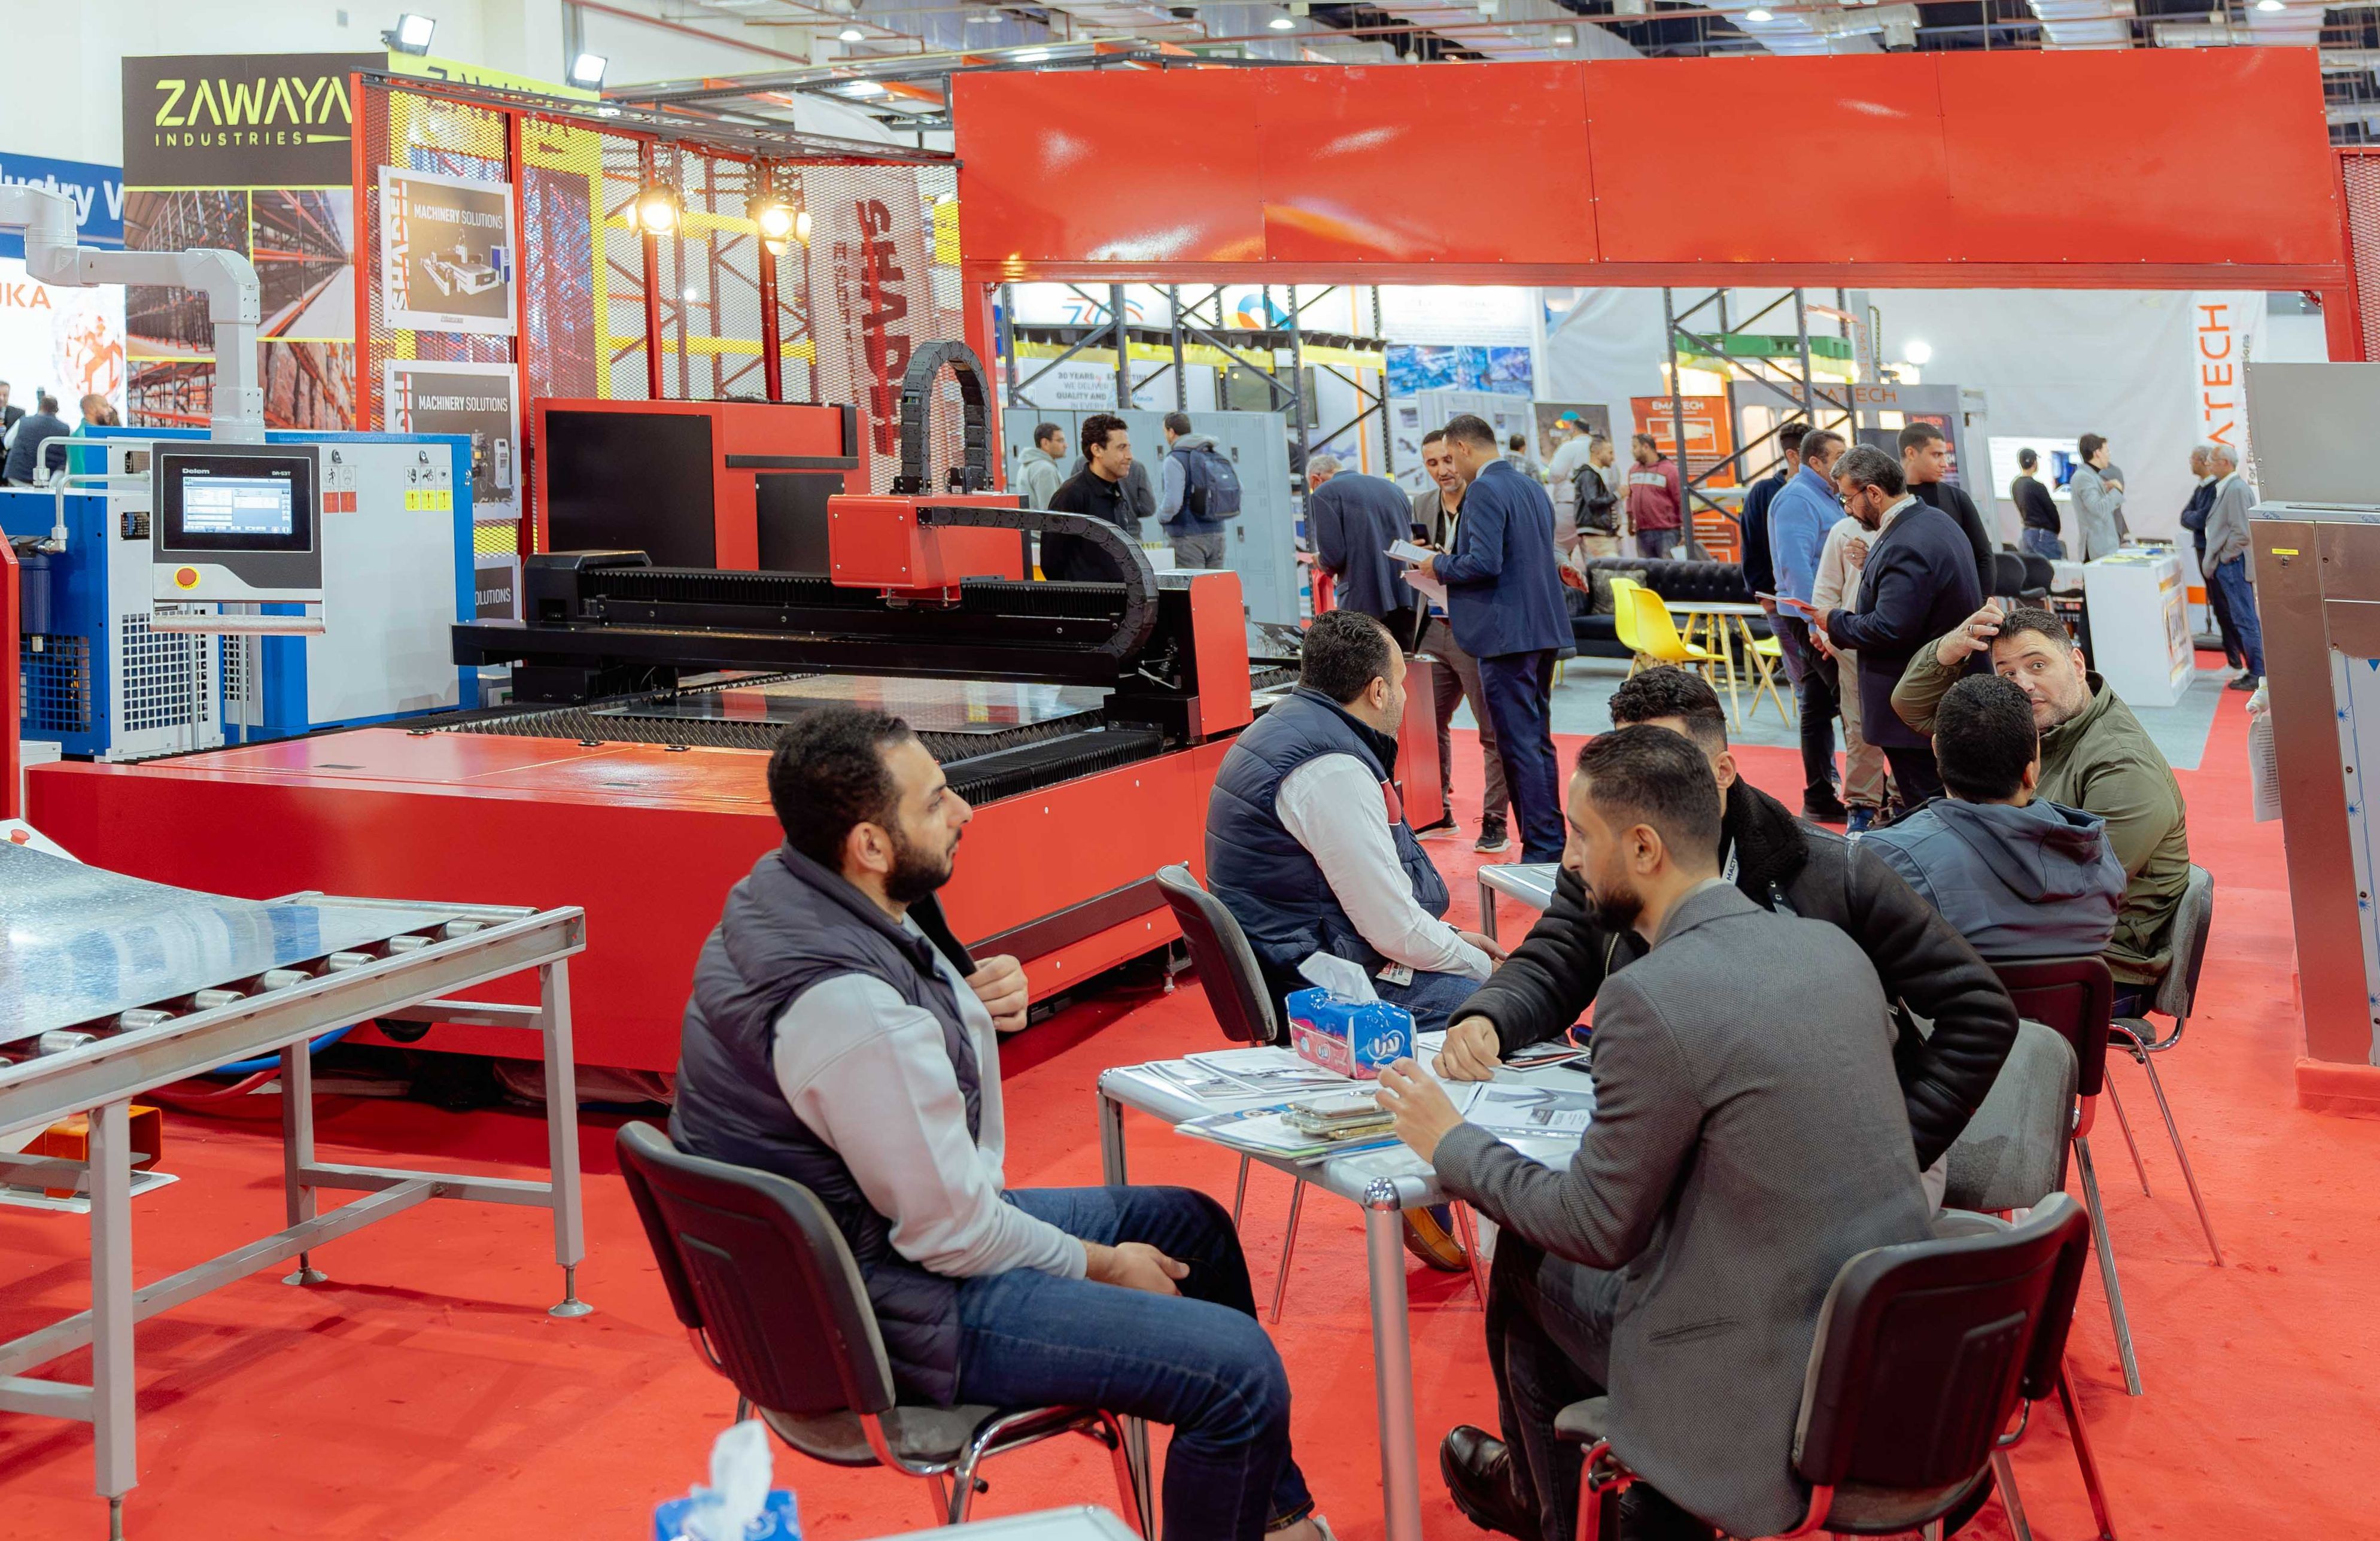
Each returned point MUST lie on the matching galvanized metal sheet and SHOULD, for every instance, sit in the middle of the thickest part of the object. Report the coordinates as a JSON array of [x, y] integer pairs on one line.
[[927, 706], [81, 944]]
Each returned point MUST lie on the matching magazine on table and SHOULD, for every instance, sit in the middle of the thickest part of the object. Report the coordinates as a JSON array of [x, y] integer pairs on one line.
[[1270, 1071], [1268, 1131]]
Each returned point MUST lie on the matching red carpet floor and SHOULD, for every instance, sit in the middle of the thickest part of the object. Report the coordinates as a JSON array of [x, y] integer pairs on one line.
[[424, 1393]]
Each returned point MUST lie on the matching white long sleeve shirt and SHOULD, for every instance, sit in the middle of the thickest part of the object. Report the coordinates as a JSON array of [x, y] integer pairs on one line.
[[1563, 468], [869, 1074], [1334, 806], [1836, 576]]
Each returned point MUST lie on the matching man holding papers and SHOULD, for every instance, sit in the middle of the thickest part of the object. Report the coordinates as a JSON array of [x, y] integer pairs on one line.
[[841, 1036], [1679, 1263]]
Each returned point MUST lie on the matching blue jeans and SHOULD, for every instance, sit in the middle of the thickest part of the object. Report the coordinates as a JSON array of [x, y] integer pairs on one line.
[[2240, 595], [1432, 998], [2041, 542], [1518, 688], [1198, 1362]]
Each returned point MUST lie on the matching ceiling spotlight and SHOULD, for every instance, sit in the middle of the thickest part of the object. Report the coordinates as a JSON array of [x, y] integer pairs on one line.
[[776, 218], [802, 227], [587, 71], [863, 88], [1565, 37], [655, 210], [2268, 7], [1031, 55], [852, 34], [1282, 23], [411, 34], [1918, 351], [1757, 14]]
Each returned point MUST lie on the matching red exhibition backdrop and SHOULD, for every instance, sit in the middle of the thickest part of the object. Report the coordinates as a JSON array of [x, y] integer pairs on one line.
[[2151, 169]]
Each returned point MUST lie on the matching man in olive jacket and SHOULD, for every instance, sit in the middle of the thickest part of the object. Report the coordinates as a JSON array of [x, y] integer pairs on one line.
[[2095, 755], [1783, 865]]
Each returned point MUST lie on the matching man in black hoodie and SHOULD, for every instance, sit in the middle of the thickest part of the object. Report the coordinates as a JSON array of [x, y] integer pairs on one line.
[[1927, 970]]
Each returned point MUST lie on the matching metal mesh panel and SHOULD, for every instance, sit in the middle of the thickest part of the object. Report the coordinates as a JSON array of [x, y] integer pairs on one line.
[[164, 675], [879, 272], [2361, 176], [56, 674]]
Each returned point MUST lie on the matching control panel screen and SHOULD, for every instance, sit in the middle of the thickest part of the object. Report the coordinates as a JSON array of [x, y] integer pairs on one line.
[[238, 506], [223, 501]]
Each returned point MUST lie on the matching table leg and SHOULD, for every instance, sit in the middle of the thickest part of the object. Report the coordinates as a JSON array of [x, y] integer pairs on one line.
[[1135, 1430], [1725, 639], [111, 1307], [1392, 1363], [561, 1133], [1487, 910], [297, 1148]]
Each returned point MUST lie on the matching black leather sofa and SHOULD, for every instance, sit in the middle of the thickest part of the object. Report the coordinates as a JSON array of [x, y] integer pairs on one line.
[[1719, 582]]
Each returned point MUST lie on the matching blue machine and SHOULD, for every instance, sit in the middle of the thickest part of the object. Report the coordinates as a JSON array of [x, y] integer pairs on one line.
[[397, 573]]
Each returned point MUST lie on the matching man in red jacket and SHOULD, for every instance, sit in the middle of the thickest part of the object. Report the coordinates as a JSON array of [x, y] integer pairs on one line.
[[1656, 499]]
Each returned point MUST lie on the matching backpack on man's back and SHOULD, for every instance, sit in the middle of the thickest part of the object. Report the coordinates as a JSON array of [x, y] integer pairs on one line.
[[1210, 487]]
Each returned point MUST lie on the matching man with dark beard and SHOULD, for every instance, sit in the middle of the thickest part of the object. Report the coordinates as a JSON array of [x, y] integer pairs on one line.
[[839, 1036], [1748, 1140]]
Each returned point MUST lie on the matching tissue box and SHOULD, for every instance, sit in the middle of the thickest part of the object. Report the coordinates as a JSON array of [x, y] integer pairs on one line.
[[778, 1520], [1353, 1037]]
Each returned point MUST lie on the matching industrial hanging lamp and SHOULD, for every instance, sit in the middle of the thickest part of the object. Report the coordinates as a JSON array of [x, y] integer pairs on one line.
[[656, 209]]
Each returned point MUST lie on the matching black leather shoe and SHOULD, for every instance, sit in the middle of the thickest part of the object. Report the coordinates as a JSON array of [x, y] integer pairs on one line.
[[1479, 1478]]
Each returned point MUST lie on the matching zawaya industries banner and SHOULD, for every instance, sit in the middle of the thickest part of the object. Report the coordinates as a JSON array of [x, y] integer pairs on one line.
[[240, 120], [478, 400], [446, 253]]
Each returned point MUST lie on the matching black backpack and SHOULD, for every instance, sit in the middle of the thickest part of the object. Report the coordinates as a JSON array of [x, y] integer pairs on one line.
[[1210, 484]]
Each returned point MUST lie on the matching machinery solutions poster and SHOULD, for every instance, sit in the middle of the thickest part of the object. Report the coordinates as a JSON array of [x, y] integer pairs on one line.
[[446, 253], [479, 400]]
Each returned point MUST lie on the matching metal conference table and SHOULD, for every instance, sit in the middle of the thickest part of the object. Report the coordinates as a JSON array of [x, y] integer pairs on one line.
[[1383, 1181], [1530, 882]]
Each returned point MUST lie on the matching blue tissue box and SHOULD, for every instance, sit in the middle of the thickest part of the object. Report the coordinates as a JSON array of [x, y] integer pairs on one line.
[[779, 1521], [1353, 1037]]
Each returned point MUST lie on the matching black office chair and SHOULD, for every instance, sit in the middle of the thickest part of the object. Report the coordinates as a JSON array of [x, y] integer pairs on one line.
[[2008, 575], [2076, 997], [1236, 988], [765, 1285], [1924, 1353], [2039, 574], [2174, 997]]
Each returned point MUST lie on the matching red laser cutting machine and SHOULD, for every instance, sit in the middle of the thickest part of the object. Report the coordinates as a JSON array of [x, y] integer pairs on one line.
[[1084, 721]]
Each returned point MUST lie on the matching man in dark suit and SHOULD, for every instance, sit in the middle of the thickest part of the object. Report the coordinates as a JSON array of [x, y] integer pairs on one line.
[[1436, 519], [1918, 582], [1504, 596], [8, 414], [1759, 569], [1925, 465], [1354, 519], [1681, 1260]]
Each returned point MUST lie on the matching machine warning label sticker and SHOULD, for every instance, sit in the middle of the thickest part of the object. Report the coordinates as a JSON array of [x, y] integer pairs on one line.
[[423, 500], [186, 578]]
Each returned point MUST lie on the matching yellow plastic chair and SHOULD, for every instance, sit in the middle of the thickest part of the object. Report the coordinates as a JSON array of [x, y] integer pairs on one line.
[[1772, 658], [1623, 622], [1657, 634]]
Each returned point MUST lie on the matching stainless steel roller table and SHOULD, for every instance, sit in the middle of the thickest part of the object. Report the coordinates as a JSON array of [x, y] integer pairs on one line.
[[111, 988]]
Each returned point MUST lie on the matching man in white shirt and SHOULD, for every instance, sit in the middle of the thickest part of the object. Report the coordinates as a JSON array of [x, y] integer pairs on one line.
[[840, 1036], [1562, 479], [1864, 772], [1307, 840]]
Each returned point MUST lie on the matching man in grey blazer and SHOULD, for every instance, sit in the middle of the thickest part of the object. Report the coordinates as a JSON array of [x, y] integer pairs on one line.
[[1749, 1138]]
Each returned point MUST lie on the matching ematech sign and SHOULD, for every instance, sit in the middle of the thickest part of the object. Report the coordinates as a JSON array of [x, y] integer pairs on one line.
[[241, 120]]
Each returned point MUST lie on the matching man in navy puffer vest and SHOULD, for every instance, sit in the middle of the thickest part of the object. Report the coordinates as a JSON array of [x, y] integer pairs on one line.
[[1307, 840], [841, 1036]]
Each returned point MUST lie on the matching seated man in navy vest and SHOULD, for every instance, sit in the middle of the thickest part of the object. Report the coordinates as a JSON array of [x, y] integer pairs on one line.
[[1306, 840], [839, 1035]]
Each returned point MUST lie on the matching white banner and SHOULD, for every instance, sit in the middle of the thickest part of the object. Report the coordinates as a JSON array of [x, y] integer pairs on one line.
[[67, 342]]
